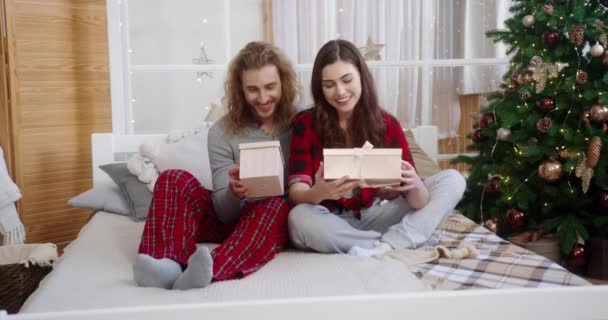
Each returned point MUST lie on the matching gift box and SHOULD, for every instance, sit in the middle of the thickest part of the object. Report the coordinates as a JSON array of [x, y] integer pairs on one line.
[[376, 167], [261, 168]]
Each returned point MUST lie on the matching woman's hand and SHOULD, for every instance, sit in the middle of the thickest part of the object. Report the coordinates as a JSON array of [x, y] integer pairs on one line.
[[417, 195], [335, 189], [409, 178], [235, 185]]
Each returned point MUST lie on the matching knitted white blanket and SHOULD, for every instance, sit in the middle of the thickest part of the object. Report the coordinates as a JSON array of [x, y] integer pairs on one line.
[[11, 228], [43, 254]]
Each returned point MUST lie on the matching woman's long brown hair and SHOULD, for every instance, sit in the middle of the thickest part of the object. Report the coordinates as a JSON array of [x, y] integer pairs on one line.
[[256, 55], [367, 121]]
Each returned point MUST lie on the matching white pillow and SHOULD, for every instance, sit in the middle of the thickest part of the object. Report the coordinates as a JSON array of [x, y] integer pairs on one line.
[[189, 153]]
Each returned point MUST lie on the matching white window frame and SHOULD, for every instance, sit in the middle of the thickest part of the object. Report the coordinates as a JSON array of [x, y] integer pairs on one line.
[[121, 67]]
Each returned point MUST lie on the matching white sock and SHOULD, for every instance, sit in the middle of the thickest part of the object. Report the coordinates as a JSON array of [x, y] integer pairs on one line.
[[159, 273], [199, 272], [379, 248]]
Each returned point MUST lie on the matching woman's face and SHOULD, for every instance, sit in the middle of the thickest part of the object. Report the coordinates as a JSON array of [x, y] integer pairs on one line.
[[341, 83]]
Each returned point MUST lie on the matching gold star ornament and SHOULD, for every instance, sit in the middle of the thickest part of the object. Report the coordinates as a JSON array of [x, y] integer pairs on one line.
[[371, 51]]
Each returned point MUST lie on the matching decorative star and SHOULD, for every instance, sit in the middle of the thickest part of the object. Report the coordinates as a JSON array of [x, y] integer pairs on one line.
[[371, 51], [202, 59]]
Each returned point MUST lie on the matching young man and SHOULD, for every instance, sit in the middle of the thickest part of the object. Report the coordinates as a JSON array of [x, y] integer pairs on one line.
[[260, 90]]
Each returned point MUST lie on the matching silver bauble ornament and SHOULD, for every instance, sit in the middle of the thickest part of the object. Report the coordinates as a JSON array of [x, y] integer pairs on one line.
[[596, 50], [503, 134], [528, 21]]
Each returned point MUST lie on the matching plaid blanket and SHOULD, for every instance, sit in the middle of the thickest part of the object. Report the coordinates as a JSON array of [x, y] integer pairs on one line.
[[500, 264]]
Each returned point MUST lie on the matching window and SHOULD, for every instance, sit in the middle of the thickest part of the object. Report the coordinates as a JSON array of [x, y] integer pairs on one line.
[[169, 58]]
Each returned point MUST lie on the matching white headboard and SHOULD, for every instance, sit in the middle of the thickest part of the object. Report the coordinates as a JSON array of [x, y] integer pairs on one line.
[[108, 147]]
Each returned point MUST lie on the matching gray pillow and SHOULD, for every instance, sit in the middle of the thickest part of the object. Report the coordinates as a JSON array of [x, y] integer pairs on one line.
[[135, 192], [106, 198]]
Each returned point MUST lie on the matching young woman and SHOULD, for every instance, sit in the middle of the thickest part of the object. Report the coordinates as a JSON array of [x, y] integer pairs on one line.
[[339, 216], [260, 90]]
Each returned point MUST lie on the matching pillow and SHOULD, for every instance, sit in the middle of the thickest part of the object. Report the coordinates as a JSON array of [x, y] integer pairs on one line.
[[136, 193], [425, 166], [106, 198], [188, 153]]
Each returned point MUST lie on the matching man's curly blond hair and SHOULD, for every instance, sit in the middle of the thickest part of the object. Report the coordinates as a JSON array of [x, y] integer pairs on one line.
[[256, 55]]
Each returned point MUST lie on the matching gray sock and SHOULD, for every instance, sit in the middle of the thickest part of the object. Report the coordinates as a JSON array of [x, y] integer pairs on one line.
[[159, 273], [199, 272]]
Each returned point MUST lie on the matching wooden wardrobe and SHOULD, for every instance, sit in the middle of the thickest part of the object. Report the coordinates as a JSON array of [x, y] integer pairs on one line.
[[54, 92]]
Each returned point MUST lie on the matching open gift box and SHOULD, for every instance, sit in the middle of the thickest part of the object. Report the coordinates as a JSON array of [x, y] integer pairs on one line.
[[261, 168], [376, 167]]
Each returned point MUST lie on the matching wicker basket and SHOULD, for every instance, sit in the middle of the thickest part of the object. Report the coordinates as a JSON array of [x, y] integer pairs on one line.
[[17, 283]]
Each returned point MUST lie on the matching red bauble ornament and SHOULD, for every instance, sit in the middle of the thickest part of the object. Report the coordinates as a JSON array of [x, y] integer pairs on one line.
[[476, 136], [485, 120], [603, 199], [577, 258], [515, 218], [551, 39], [493, 186], [546, 104]]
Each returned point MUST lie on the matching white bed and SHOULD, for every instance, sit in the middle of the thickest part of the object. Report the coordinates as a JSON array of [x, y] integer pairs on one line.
[[93, 279]]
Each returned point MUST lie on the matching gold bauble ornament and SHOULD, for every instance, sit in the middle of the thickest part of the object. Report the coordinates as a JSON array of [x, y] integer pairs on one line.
[[503, 134], [528, 21], [511, 85], [492, 225], [550, 170], [525, 77], [598, 113], [596, 50]]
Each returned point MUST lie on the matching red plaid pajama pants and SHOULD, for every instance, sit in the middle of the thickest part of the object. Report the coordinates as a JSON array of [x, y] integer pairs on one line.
[[181, 214]]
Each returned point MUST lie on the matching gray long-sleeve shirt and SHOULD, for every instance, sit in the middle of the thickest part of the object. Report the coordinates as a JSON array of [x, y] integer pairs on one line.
[[224, 153]]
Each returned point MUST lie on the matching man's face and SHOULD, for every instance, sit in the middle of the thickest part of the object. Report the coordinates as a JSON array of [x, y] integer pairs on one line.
[[262, 90]]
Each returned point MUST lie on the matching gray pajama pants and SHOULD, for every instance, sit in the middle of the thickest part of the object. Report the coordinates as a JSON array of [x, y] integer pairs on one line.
[[313, 227]]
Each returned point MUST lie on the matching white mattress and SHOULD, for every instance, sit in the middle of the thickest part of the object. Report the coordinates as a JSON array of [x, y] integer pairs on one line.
[[95, 271]]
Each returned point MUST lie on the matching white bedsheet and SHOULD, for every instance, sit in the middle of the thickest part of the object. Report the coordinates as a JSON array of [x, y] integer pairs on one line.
[[95, 271]]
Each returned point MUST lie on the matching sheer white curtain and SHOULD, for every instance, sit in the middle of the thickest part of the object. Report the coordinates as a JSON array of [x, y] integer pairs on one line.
[[479, 17], [302, 27]]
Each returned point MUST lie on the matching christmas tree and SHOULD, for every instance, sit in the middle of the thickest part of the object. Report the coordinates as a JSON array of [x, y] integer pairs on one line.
[[542, 142]]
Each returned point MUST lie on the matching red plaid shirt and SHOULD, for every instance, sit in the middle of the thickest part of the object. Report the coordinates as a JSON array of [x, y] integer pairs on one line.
[[307, 152]]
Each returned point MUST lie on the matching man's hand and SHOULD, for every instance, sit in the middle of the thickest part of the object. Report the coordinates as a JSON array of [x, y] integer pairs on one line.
[[235, 183]]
